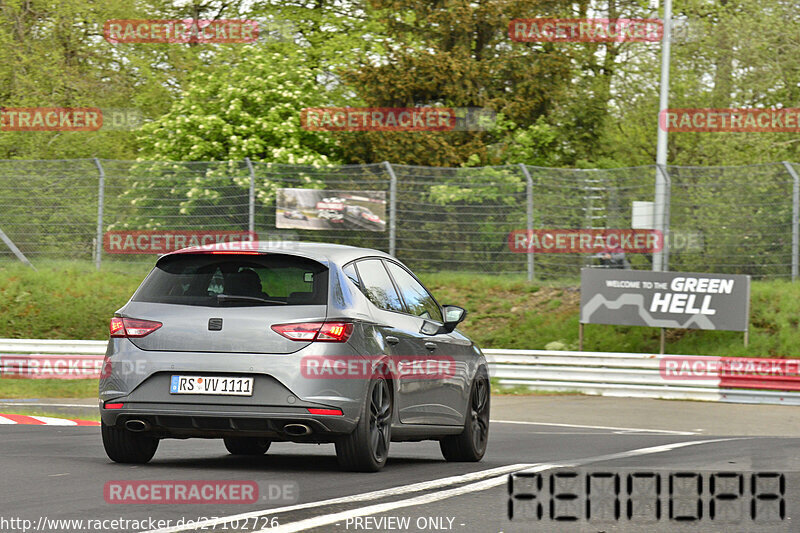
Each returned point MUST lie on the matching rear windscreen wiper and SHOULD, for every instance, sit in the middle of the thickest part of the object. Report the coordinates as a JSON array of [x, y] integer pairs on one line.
[[234, 298]]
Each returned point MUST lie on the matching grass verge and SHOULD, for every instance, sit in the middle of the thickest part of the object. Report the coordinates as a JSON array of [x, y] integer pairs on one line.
[[522, 390], [11, 388]]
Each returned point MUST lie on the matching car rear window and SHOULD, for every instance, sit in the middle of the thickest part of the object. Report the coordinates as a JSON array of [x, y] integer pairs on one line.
[[241, 280]]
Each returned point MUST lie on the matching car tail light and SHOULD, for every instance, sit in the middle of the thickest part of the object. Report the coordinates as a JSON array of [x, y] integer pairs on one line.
[[116, 328], [334, 412], [113, 406], [132, 327], [335, 331], [306, 331], [315, 331]]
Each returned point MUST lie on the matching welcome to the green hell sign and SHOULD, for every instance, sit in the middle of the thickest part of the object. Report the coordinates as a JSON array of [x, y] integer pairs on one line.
[[683, 293], [665, 299]]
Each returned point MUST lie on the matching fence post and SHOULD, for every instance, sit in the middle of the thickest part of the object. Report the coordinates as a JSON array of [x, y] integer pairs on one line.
[[251, 201], [658, 213], [16, 251], [392, 208], [528, 213], [101, 196], [795, 218], [665, 221]]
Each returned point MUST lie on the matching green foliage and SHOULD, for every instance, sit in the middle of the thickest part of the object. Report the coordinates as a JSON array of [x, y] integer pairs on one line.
[[53, 54], [454, 54], [253, 111], [62, 301], [586, 105], [475, 186], [739, 55], [50, 56], [47, 388], [535, 145]]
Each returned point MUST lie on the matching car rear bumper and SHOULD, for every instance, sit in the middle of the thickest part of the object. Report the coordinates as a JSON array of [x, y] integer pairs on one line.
[[281, 395], [199, 420]]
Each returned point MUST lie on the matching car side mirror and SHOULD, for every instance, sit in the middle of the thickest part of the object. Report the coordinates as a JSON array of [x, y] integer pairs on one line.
[[453, 316]]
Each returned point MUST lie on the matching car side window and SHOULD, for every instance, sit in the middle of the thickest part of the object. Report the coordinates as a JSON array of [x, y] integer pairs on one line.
[[350, 272], [378, 285], [418, 300]]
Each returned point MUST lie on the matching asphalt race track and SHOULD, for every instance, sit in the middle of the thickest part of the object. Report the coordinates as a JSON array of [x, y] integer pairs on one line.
[[686, 456]]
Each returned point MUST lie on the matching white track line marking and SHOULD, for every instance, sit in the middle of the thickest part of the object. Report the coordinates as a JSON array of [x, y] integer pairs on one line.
[[4, 420], [593, 434], [612, 428], [481, 484], [50, 421], [366, 496], [324, 520], [641, 451]]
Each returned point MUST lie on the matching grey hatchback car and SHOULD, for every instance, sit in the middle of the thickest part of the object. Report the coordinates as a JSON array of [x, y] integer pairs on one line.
[[298, 342]]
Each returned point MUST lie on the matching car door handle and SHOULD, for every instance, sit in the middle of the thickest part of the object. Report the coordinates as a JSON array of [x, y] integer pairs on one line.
[[431, 346], [392, 340]]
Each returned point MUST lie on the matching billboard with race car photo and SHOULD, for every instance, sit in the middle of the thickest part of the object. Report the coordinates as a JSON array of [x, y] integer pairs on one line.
[[318, 209]]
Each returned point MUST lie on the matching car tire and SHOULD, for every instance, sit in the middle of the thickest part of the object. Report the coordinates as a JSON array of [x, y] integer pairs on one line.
[[123, 446], [366, 449], [246, 445], [470, 444]]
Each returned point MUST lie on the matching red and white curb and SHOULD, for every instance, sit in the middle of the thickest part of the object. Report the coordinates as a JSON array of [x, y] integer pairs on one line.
[[43, 421]]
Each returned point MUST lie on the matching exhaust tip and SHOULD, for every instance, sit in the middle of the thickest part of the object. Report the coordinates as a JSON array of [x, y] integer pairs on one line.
[[297, 430], [137, 426]]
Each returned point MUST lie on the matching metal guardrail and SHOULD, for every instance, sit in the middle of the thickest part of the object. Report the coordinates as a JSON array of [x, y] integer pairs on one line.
[[623, 374], [601, 373], [41, 346], [54, 359]]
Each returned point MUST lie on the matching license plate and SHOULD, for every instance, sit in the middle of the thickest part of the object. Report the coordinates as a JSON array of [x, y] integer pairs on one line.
[[216, 385]]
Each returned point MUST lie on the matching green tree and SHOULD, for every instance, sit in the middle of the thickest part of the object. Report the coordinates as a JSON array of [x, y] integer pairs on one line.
[[252, 111], [726, 55], [454, 54], [53, 54]]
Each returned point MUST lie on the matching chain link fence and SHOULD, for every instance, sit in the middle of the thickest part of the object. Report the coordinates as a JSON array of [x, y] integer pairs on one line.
[[715, 219]]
